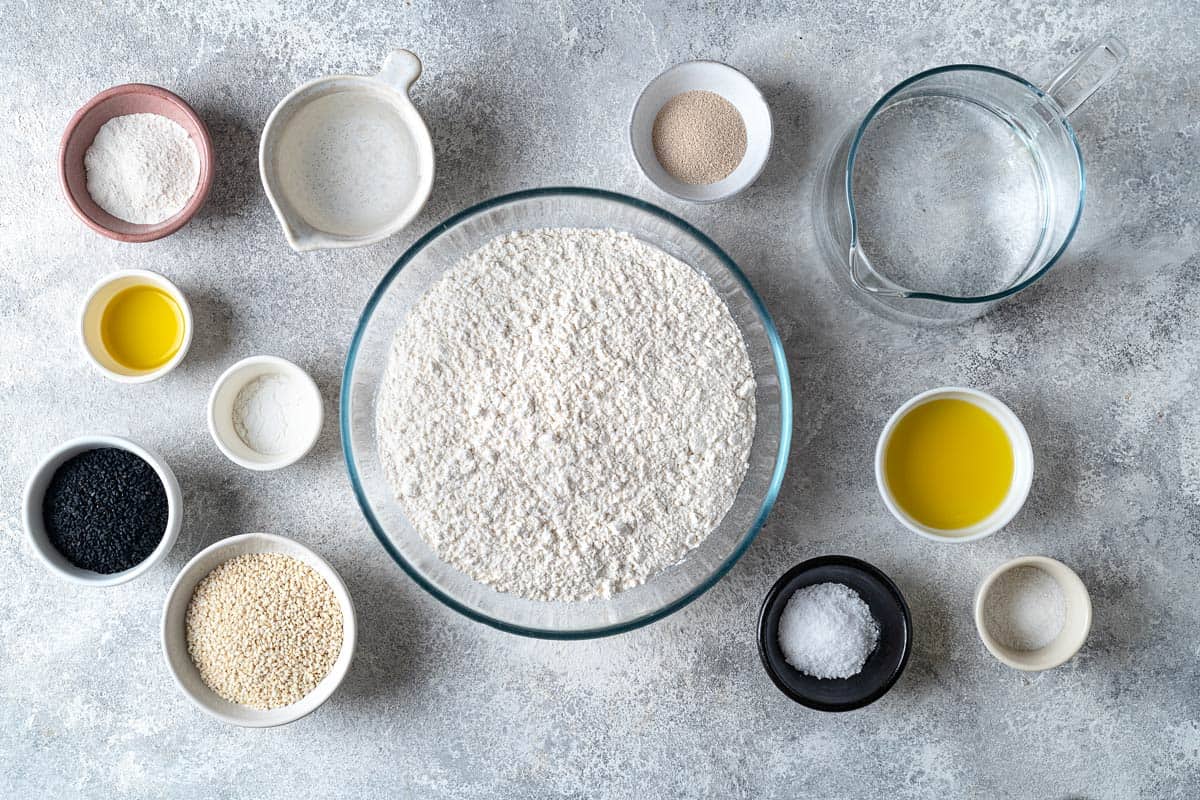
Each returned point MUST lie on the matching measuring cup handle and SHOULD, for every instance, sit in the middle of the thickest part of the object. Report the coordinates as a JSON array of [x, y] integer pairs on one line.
[[1087, 73], [401, 69]]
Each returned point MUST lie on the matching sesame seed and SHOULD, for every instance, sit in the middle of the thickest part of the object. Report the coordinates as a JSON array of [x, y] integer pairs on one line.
[[263, 629]]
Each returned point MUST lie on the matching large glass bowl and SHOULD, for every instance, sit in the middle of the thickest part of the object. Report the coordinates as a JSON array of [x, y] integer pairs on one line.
[[423, 264]]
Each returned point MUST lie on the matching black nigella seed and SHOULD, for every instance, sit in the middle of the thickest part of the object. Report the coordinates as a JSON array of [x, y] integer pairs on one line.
[[105, 510]]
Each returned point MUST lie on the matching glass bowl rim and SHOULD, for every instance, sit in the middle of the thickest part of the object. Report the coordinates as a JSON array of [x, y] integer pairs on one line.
[[785, 412], [1064, 120]]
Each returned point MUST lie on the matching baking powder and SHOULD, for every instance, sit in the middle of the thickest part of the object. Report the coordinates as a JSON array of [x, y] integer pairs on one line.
[[269, 413]]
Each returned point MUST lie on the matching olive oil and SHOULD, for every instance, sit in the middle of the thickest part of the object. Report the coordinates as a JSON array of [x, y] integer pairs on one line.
[[142, 327], [948, 464]]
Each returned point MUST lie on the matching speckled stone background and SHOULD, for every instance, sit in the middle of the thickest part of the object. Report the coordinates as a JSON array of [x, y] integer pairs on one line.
[[1100, 360]]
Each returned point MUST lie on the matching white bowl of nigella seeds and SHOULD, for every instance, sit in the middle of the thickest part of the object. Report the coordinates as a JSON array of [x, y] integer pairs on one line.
[[258, 630], [101, 510]]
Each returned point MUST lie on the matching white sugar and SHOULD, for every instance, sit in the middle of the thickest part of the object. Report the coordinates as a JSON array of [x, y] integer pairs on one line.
[[1025, 609], [827, 631]]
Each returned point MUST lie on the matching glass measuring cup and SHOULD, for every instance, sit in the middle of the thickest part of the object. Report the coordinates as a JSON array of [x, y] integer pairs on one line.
[[961, 186]]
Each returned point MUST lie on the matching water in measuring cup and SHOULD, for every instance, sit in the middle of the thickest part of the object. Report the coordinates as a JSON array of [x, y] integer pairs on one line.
[[948, 197]]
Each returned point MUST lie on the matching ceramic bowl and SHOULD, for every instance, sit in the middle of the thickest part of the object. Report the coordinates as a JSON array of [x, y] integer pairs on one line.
[[92, 312], [347, 160], [1076, 625], [129, 98], [174, 631], [709, 76], [35, 528], [221, 406], [1022, 479], [883, 666]]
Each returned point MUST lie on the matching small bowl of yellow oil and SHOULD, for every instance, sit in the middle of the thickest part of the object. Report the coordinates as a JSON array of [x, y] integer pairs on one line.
[[136, 326], [954, 464]]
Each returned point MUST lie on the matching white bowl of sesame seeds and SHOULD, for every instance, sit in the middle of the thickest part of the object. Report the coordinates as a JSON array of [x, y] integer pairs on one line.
[[248, 659]]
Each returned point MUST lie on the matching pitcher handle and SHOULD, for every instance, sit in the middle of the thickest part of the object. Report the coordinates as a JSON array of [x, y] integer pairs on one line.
[[401, 70], [1087, 73]]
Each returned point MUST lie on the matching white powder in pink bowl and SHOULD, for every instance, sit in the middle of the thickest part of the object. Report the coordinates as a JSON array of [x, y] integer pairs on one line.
[[142, 168]]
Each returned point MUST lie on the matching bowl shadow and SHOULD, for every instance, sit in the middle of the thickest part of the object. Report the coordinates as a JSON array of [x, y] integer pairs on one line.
[[465, 131], [932, 646], [213, 506], [329, 443], [235, 178], [393, 653], [794, 142], [1123, 630], [212, 324]]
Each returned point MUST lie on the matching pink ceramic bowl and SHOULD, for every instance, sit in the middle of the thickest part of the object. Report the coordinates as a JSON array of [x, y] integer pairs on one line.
[[129, 98]]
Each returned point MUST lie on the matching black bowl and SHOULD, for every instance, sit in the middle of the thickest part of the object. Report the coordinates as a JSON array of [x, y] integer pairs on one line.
[[882, 667]]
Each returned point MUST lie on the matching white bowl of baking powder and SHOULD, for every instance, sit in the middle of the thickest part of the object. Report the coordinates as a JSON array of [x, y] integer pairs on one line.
[[265, 413]]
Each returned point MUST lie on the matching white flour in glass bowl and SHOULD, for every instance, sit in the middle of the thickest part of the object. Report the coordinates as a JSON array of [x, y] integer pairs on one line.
[[566, 413]]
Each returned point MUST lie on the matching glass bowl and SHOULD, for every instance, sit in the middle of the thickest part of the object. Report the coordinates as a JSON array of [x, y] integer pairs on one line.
[[424, 263]]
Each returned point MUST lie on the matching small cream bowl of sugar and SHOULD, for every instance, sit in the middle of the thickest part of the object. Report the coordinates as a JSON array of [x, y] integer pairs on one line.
[[265, 413], [1033, 613]]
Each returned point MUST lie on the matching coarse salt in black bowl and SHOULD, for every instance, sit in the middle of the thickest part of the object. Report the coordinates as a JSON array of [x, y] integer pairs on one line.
[[883, 666]]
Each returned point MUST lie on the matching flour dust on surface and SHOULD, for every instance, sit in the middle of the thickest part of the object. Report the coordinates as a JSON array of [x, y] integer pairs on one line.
[[566, 413]]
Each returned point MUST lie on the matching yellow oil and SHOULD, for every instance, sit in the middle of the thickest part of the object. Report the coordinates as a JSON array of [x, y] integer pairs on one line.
[[142, 328], [948, 464]]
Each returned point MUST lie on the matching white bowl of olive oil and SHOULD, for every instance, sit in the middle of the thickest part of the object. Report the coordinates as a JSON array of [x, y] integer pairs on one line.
[[954, 464], [135, 325]]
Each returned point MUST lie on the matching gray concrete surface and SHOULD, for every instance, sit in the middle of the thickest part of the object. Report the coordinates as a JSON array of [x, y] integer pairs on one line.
[[1100, 360]]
